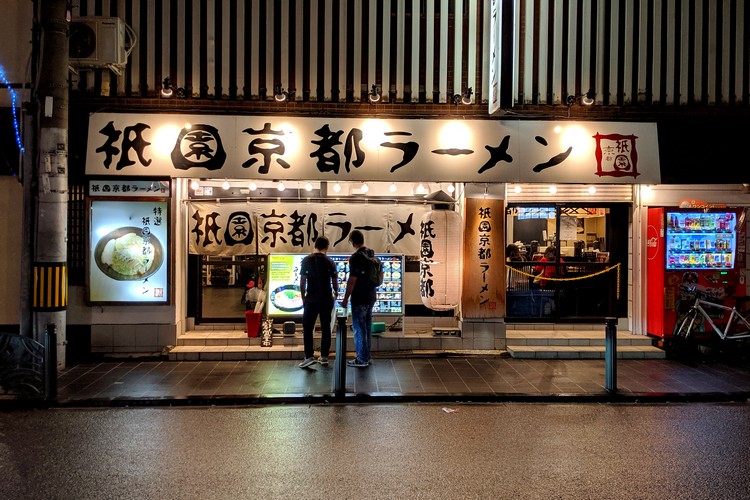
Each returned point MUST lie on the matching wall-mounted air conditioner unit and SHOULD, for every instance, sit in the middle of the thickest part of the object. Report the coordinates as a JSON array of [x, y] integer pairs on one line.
[[100, 42]]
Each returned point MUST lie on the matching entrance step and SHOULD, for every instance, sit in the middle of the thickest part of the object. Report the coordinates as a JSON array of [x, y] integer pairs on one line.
[[577, 344], [233, 344]]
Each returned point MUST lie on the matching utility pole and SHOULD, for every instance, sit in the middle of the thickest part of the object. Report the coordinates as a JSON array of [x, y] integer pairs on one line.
[[49, 299]]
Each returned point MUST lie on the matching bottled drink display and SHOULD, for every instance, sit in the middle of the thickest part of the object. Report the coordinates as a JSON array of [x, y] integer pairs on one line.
[[700, 240]]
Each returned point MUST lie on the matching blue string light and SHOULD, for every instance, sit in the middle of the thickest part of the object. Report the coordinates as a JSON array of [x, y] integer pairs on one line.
[[13, 108]]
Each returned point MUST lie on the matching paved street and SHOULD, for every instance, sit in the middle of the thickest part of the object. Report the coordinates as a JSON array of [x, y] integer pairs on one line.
[[379, 451]]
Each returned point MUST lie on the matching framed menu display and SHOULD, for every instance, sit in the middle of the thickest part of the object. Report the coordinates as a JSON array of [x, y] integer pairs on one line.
[[129, 251]]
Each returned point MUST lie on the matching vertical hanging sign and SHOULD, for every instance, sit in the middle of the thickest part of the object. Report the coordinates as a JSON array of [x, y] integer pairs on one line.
[[494, 56], [483, 267]]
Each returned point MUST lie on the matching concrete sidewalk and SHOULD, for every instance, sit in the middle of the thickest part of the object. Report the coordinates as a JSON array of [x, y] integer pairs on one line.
[[417, 378]]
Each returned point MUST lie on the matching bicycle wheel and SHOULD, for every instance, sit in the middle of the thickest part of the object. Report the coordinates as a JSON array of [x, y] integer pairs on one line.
[[689, 323]]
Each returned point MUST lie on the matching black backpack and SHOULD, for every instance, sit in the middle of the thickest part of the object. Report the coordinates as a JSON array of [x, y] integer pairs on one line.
[[374, 270]]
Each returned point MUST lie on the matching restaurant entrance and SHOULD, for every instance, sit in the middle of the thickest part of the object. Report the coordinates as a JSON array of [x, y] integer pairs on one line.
[[566, 262], [218, 284]]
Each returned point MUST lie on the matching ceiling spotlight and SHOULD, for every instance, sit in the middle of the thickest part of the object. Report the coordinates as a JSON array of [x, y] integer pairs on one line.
[[225, 185], [365, 187], [393, 188], [553, 189], [308, 187], [374, 95], [279, 94], [592, 189], [166, 90], [194, 185], [337, 187], [517, 188], [451, 188], [187, 126], [281, 186], [464, 98], [252, 186], [420, 189]]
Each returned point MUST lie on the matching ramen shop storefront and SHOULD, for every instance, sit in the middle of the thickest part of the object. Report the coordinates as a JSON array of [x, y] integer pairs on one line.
[[234, 222]]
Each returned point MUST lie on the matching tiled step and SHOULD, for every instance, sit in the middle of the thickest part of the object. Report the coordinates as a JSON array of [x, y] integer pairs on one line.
[[583, 352], [578, 344], [234, 345], [571, 338]]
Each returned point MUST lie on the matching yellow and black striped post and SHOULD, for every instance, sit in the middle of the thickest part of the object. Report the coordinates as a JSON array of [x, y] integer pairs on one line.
[[50, 286]]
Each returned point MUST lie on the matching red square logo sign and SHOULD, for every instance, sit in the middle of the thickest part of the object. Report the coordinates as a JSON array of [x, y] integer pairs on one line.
[[616, 155]]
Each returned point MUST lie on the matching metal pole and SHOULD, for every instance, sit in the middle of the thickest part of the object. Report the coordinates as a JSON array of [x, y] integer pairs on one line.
[[610, 355], [339, 374], [50, 363]]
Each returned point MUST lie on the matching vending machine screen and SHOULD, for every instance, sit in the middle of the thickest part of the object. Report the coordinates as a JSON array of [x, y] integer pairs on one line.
[[700, 240]]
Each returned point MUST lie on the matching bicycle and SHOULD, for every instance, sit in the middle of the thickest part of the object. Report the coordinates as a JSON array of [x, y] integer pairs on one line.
[[736, 320]]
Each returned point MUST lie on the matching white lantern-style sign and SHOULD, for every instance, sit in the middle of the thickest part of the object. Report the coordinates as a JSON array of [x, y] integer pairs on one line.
[[440, 259]]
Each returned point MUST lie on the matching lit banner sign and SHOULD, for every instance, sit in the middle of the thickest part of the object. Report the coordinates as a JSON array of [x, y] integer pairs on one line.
[[239, 228], [284, 298], [359, 149], [129, 257]]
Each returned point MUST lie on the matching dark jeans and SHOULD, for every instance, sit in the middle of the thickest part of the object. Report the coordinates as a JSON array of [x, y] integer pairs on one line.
[[309, 315]]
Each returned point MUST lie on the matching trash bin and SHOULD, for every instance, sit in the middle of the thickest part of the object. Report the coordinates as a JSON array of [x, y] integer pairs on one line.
[[252, 322]]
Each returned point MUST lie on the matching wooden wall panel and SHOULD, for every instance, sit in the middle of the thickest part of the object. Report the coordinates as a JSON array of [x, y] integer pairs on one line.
[[483, 288]]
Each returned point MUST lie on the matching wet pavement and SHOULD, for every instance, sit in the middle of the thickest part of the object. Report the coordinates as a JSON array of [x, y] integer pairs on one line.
[[459, 378]]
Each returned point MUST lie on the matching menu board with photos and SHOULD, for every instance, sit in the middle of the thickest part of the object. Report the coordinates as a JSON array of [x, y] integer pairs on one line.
[[284, 298]]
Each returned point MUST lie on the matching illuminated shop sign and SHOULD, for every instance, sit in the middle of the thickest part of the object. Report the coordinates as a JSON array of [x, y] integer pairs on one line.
[[129, 252], [346, 149]]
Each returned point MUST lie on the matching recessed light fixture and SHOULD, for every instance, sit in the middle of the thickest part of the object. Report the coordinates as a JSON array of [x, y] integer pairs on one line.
[[225, 185], [420, 189], [194, 185], [553, 189], [337, 188], [252, 186], [308, 187], [393, 188], [280, 186], [365, 187], [517, 188], [451, 188], [592, 189]]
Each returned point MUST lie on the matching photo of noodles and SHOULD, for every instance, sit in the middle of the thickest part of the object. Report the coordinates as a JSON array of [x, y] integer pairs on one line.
[[287, 298], [124, 254]]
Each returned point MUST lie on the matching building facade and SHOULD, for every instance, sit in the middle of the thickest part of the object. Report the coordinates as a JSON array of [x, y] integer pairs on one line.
[[674, 74]]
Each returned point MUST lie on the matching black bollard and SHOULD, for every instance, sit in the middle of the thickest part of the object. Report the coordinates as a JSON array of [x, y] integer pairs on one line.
[[339, 375], [50, 363], [610, 355]]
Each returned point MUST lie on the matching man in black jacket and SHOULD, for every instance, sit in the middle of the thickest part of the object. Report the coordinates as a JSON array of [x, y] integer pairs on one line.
[[319, 286]]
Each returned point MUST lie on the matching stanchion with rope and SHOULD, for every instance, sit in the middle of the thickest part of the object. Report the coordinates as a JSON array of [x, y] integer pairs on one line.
[[616, 267]]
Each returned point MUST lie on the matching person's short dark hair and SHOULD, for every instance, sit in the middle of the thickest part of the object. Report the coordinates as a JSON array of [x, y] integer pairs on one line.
[[321, 243], [356, 237]]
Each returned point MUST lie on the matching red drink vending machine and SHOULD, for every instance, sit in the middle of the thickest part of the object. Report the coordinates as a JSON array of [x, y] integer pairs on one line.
[[691, 254]]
